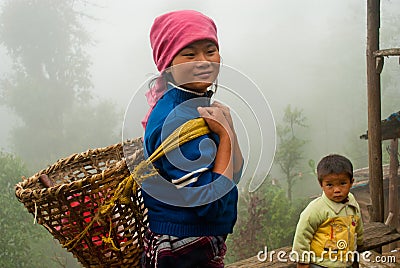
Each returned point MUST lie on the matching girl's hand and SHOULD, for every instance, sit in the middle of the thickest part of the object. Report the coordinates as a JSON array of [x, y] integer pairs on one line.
[[216, 120], [218, 124], [237, 153], [226, 111]]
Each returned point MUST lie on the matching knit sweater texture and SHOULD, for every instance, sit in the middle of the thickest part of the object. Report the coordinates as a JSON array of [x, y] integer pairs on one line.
[[188, 198]]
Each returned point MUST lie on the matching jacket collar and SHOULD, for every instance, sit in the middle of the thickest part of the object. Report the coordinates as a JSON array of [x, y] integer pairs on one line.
[[337, 207]]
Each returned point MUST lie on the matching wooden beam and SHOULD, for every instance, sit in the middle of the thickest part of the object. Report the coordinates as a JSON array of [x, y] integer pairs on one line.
[[393, 186], [390, 134], [387, 52], [374, 112], [376, 234]]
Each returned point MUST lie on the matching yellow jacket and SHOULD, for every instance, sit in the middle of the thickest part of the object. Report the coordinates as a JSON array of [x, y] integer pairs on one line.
[[328, 233]]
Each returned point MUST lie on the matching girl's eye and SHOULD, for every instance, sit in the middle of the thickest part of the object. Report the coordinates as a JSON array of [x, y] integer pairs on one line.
[[188, 54]]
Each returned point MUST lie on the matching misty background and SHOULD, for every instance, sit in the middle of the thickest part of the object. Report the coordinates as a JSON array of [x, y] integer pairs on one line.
[[308, 54]]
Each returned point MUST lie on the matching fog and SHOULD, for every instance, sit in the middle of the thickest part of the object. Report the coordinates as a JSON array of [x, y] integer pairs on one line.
[[309, 54]]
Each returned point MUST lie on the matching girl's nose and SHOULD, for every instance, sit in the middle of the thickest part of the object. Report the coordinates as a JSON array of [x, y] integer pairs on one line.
[[202, 63]]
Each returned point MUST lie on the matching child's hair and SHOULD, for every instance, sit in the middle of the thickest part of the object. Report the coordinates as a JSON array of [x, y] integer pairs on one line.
[[334, 164]]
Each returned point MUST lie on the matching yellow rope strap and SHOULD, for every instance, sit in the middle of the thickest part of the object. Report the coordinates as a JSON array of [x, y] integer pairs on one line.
[[109, 239], [188, 131]]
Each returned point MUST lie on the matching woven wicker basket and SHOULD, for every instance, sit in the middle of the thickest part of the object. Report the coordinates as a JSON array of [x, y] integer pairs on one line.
[[69, 207]]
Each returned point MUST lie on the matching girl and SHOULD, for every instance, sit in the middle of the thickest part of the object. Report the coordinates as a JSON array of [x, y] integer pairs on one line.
[[193, 207]]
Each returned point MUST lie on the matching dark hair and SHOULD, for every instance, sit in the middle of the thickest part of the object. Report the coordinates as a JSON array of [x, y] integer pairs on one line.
[[164, 76], [334, 164]]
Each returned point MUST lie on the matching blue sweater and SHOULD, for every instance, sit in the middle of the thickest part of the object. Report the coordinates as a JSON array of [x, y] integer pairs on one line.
[[188, 198]]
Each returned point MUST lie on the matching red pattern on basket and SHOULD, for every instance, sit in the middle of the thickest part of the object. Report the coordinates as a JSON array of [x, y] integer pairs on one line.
[[87, 214]]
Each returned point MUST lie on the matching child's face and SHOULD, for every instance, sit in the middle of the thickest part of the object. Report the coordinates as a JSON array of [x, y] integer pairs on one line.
[[336, 186], [196, 66]]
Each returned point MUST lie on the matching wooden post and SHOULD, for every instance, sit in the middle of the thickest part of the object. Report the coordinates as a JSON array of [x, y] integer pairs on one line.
[[394, 186], [374, 111]]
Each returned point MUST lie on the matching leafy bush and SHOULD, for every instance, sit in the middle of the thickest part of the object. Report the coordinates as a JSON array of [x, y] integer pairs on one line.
[[15, 222], [266, 218], [23, 244]]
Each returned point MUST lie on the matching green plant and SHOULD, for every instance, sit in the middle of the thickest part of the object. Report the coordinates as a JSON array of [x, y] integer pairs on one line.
[[289, 152], [265, 218]]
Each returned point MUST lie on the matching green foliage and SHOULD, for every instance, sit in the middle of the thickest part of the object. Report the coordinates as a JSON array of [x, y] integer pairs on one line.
[[22, 243], [265, 218], [48, 88], [15, 222], [289, 151]]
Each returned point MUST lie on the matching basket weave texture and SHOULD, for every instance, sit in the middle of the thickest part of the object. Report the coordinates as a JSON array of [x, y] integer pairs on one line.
[[69, 210]]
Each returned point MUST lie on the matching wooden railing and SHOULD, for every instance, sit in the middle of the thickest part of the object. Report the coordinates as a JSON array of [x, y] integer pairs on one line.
[[376, 234]]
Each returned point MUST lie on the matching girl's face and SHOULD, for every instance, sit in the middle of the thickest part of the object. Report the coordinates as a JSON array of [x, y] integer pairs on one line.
[[196, 66]]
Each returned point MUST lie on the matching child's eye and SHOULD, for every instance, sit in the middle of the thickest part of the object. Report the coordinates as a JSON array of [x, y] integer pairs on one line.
[[188, 54]]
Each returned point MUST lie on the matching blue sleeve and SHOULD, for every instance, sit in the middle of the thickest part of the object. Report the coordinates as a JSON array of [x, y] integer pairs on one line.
[[189, 170]]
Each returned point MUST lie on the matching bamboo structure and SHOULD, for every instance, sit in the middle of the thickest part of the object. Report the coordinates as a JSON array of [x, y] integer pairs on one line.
[[374, 68], [394, 187]]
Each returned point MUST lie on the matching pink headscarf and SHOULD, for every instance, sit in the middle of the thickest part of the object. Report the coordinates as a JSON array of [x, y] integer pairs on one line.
[[170, 33]]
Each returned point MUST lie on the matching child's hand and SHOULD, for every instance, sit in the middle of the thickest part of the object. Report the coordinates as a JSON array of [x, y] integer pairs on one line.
[[216, 120]]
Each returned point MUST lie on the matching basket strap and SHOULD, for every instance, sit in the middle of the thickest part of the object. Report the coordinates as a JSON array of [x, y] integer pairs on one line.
[[188, 131]]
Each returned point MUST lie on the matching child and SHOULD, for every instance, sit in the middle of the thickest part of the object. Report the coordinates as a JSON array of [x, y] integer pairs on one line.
[[190, 215], [330, 226]]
